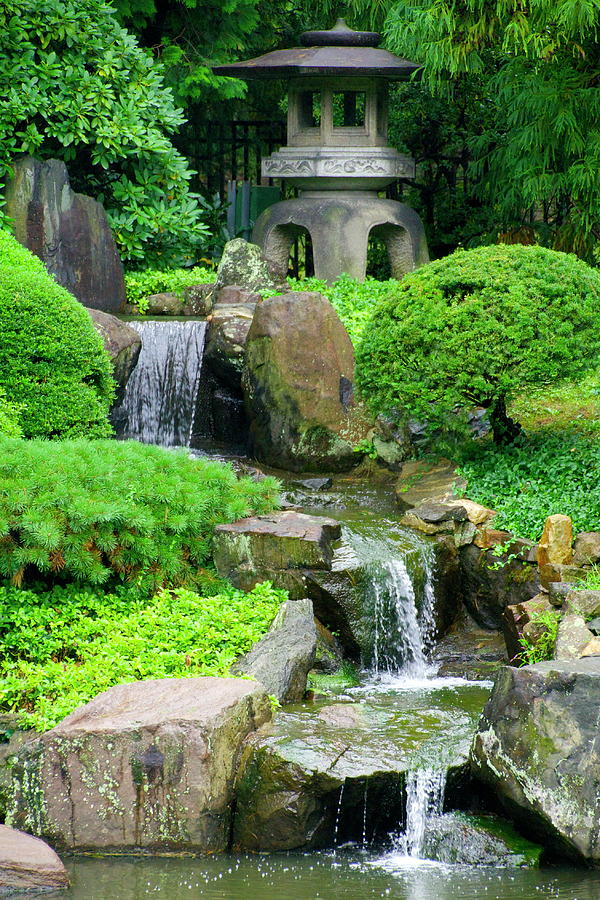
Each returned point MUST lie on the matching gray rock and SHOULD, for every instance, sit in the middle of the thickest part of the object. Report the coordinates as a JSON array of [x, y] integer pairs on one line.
[[28, 864], [122, 343], [282, 659], [243, 264], [148, 765], [420, 481], [586, 549], [315, 484], [298, 386], [572, 638], [585, 603], [537, 747], [225, 348], [234, 295], [435, 513], [198, 299], [520, 622], [280, 540], [68, 231], [594, 625], [490, 583], [461, 839], [167, 303], [12, 738]]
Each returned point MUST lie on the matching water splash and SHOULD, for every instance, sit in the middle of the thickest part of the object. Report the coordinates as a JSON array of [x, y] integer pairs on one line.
[[161, 395], [424, 802], [337, 816]]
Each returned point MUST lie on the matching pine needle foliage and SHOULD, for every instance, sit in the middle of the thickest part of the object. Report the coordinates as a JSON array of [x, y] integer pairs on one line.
[[53, 365], [104, 511], [479, 326], [59, 649]]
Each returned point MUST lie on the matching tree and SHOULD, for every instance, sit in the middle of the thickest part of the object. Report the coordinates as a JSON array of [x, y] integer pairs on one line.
[[478, 326], [538, 159], [77, 86]]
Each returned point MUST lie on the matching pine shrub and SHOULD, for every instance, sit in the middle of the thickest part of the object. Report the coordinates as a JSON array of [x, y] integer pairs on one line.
[[478, 326], [105, 511], [53, 364]]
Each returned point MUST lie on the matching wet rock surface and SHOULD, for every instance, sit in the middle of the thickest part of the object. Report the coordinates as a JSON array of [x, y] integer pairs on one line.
[[461, 839], [537, 747], [298, 386], [27, 864], [68, 231], [122, 343], [491, 581], [282, 659], [420, 481], [148, 765]]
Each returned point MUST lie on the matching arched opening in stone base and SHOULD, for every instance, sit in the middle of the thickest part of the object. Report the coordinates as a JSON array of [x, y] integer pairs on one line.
[[389, 252], [291, 247]]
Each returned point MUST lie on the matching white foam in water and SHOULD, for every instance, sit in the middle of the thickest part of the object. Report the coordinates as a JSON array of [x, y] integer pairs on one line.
[[161, 394]]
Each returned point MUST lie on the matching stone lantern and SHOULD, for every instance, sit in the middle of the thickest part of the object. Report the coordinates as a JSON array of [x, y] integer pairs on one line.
[[337, 154]]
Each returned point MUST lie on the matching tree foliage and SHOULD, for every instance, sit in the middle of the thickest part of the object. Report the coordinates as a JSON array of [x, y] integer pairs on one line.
[[537, 156], [55, 375], [477, 326], [76, 85]]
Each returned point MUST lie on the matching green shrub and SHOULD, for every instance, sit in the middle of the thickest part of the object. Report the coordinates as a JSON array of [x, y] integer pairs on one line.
[[61, 648], [139, 285], [53, 364], [525, 483], [353, 301], [478, 326], [542, 647], [9, 417], [89, 511]]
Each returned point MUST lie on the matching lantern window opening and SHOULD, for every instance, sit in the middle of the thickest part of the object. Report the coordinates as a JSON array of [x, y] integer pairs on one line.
[[349, 109]]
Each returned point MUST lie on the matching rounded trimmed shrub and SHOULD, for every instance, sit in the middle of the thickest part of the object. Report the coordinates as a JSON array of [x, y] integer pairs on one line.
[[478, 326], [53, 364]]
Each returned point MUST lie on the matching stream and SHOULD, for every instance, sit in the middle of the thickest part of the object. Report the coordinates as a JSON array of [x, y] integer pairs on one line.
[[399, 717]]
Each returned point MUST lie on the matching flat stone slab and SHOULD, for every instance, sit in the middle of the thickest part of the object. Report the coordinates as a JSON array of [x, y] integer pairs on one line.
[[281, 540], [143, 766], [420, 481], [28, 864]]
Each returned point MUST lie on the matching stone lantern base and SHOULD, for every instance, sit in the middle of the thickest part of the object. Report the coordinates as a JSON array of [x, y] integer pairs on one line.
[[339, 224]]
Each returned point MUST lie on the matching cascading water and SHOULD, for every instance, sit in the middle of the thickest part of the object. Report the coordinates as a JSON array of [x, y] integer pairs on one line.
[[424, 802], [161, 395], [402, 633]]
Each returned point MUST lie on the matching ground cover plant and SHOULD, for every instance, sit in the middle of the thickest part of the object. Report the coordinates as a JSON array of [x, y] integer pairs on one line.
[[60, 648], [55, 375], [105, 512], [140, 285], [478, 327]]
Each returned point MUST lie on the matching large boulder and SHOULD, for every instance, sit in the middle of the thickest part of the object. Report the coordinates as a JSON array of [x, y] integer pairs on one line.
[[298, 385], [244, 265], [467, 840], [537, 747], [68, 231], [122, 343], [226, 342], [282, 659], [148, 765], [28, 864], [493, 580]]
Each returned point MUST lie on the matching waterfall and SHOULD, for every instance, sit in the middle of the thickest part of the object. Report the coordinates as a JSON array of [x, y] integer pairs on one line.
[[424, 802], [401, 634], [160, 398]]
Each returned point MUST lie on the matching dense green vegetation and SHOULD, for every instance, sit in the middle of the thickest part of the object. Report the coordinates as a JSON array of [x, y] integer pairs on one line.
[[546, 473], [54, 371], [101, 511], [76, 86], [139, 285], [60, 648], [477, 327]]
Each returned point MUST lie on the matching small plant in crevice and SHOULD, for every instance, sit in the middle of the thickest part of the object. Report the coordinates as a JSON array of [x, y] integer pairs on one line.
[[540, 647]]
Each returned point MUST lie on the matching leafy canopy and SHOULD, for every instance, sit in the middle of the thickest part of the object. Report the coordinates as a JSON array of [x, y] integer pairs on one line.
[[478, 326], [76, 86], [104, 511], [59, 649], [55, 375]]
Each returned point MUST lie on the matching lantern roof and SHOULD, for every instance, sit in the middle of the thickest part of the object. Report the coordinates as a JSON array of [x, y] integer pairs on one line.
[[339, 51]]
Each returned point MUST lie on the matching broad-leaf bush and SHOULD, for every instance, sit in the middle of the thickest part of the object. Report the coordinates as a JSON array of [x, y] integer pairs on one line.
[[477, 327], [100, 511], [53, 366], [75, 85], [61, 648], [140, 285]]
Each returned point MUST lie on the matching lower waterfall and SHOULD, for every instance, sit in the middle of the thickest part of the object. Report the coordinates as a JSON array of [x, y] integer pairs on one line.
[[161, 396]]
